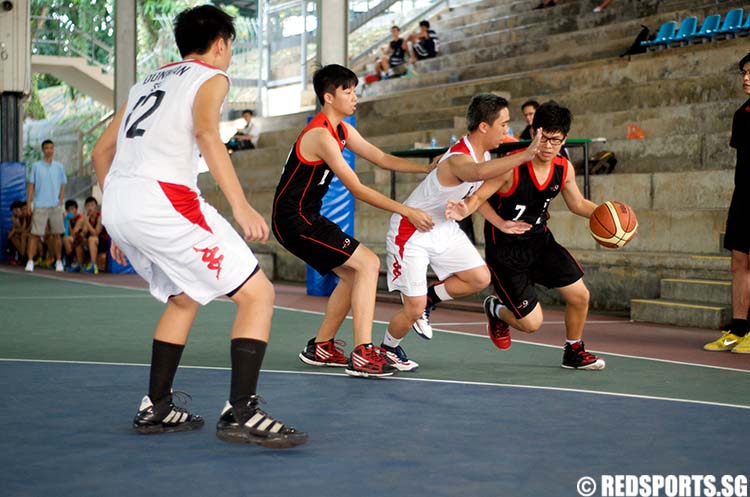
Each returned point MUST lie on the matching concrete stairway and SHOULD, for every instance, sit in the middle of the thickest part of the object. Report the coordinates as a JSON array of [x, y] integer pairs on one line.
[[79, 74]]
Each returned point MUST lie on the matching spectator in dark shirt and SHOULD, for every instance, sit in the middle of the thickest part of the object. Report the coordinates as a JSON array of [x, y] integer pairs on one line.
[[424, 43], [528, 108], [394, 56]]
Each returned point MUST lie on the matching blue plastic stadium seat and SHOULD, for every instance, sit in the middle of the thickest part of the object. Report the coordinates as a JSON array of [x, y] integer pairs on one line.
[[664, 36], [688, 28], [732, 22], [708, 30], [745, 29]]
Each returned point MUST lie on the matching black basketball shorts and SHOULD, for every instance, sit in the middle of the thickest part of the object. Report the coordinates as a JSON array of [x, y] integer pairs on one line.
[[737, 236], [517, 263]]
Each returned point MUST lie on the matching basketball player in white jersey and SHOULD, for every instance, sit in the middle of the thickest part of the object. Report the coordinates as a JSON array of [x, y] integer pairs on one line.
[[147, 161], [446, 248]]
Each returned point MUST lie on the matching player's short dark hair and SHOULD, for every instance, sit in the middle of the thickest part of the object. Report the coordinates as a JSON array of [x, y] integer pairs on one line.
[[484, 108], [328, 78], [17, 204], [248, 111], [532, 103], [46, 142], [425, 23], [744, 61], [395, 27], [70, 203], [91, 199], [552, 117], [197, 28]]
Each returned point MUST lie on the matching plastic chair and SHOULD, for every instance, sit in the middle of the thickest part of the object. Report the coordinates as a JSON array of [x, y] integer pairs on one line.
[[745, 29], [732, 22], [688, 28], [664, 36], [708, 30]]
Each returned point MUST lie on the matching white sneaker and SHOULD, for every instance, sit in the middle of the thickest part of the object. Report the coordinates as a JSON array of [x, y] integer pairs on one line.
[[59, 267], [29, 266], [422, 325], [598, 9]]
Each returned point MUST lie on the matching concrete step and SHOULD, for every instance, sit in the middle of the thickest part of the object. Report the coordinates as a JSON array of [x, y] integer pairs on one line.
[[691, 290], [680, 313]]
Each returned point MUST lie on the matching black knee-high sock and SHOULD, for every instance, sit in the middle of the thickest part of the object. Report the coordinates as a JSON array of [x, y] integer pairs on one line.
[[432, 297], [739, 327], [247, 357], [165, 357]]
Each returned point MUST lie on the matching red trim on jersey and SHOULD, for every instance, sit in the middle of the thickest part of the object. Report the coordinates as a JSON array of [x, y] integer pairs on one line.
[[513, 186], [405, 231], [278, 197], [325, 245], [185, 201], [319, 121], [302, 197], [205, 64], [534, 179], [567, 164]]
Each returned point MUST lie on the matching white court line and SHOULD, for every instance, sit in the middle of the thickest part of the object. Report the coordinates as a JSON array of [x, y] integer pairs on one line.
[[400, 378], [73, 297], [451, 332]]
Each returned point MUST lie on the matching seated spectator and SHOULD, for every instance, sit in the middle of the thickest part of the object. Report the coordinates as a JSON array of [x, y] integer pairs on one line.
[[95, 236], [73, 236], [19, 233], [528, 108], [246, 138], [394, 56], [424, 43]]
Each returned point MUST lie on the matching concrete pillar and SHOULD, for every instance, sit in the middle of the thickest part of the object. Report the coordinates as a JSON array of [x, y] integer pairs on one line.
[[126, 46], [333, 30]]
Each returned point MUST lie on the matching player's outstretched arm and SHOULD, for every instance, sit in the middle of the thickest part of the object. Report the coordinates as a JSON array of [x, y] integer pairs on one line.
[[506, 226], [469, 171], [320, 144], [576, 202], [206, 112], [459, 209], [357, 144], [104, 150]]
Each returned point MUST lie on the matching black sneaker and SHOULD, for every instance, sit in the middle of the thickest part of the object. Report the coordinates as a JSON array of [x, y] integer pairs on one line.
[[576, 357], [164, 417], [250, 424]]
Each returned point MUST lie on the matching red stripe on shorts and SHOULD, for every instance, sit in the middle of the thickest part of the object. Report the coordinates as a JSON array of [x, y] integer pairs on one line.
[[185, 201], [405, 231]]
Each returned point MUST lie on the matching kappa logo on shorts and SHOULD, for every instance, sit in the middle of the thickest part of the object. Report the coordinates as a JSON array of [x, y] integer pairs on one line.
[[347, 242], [209, 257], [396, 270]]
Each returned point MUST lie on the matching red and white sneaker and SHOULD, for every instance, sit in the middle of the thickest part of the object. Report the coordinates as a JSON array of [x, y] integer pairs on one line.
[[497, 329], [324, 353], [369, 361]]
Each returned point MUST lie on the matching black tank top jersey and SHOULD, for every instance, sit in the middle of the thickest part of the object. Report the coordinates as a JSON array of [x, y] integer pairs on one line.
[[741, 141], [397, 52], [303, 184], [528, 200]]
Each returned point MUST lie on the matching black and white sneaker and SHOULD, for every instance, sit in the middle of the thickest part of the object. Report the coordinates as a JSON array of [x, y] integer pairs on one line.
[[164, 417], [250, 424], [398, 358]]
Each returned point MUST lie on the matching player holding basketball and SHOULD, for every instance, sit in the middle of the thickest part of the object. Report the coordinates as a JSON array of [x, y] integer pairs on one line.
[[446, 248], [147, 161], [519, 260], [301, 229], [737, 237]]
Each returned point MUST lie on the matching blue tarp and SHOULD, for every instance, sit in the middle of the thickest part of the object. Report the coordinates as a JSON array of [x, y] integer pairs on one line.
[[12, 188]]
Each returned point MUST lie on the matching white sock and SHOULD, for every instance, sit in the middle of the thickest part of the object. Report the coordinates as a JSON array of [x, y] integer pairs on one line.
[[389, 341], [571, 342], [442, 293], [497, 308]]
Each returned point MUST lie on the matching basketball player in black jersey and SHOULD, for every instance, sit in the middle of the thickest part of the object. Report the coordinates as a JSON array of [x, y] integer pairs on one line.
[[520, 255], [395, 55], [301, 229]]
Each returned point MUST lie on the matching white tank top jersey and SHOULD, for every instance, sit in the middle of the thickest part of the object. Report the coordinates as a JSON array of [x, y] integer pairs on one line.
[[156, 138], [432, 197]]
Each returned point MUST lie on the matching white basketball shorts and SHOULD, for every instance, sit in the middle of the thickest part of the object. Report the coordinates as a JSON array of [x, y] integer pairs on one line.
[[446, 248], [175, 240]]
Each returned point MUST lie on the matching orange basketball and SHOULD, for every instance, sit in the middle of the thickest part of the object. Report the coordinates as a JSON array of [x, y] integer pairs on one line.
[[613, 224]]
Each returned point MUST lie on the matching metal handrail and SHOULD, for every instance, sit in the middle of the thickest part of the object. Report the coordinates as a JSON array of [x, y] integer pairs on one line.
[[85, 169], [63, 34]]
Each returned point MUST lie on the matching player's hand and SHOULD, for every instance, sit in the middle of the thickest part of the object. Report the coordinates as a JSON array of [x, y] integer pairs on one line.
[[420, 219], [514, 227], [456, 210], [434, 163], [533, 146], [117, 254], [253, 225]]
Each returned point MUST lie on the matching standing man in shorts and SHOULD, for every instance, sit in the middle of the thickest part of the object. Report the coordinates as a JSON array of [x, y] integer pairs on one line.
[[520, 258], [45, 196], [148, 162], [446, 248], [299, 227], [737, 236]]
